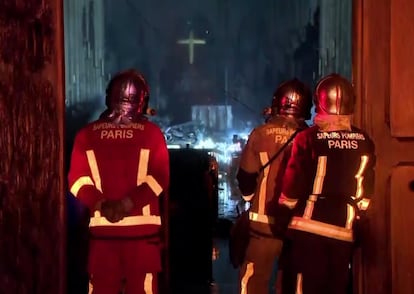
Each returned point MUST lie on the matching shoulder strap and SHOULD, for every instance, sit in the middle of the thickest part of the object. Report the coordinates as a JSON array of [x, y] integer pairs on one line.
[[280, 150]]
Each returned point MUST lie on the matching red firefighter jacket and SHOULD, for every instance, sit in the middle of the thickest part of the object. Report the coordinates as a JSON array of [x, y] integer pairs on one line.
[[111, 161]]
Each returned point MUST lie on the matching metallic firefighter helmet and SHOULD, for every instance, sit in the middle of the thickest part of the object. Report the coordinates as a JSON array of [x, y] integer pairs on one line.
[[292, 98], [334, 94], [127, 96]]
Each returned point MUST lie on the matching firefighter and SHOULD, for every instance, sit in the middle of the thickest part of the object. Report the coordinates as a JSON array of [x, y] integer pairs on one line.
[[327, 185], [260, 183], [120, 170]]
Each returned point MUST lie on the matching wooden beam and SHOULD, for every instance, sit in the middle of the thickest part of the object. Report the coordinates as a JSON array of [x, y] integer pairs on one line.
[[32, 226], [402, 71], [382, 75], [371, 53]]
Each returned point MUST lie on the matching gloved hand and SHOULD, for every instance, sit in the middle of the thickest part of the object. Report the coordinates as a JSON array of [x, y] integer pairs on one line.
[[116, 210], [112, 210]]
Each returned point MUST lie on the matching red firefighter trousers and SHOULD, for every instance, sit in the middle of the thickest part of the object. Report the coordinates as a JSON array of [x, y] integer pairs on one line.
[[130, 266]]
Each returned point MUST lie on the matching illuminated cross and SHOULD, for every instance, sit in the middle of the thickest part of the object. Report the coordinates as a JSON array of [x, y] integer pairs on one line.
[[191, 42]]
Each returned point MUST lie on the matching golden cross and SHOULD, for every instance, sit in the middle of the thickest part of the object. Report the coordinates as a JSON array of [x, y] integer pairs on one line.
[[191, 42]]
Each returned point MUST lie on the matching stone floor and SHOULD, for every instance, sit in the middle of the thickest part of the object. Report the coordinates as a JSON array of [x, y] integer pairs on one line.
[[224, 275]]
